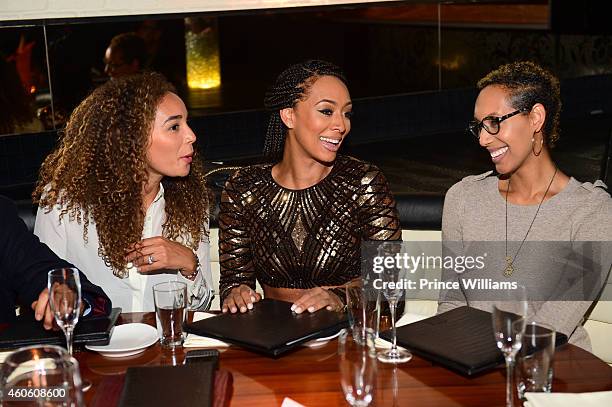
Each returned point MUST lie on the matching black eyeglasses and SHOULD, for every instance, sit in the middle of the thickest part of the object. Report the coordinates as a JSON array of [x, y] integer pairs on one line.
[[491, 123]]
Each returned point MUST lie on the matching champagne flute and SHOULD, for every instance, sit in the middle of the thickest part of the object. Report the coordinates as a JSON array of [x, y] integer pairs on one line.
[[391, 276], [509, 316], [357, 357], [65, 300]]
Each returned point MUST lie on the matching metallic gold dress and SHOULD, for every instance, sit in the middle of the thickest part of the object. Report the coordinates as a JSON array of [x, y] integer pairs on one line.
[[302, 238]]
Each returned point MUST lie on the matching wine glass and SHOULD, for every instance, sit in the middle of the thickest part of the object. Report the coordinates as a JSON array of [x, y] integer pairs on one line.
[[65, 300], [357, 366], [41, 375], [509, 316], [391, 275]]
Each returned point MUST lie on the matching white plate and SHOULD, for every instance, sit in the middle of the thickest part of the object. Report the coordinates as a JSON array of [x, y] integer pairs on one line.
[[127, 340], [317, 343]]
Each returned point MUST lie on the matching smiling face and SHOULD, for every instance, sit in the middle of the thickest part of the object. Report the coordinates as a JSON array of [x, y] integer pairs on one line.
[[318, 124], [170, 149], [512, 146]]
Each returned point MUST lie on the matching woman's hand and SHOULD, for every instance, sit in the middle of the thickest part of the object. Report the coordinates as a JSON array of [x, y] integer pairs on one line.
[[316, 298], [159, 253], [240, 298]]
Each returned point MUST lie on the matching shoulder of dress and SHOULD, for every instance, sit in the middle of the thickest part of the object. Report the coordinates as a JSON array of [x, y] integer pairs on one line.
[[356, 163], [471, 180], [597, 187], [358, 171], [470, 183], [478, 177], [593, 193], [249, 173]]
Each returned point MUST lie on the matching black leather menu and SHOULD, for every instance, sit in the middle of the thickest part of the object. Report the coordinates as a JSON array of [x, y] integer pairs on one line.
[[27, 331], [270, 328], [176, 386], [461, 340]]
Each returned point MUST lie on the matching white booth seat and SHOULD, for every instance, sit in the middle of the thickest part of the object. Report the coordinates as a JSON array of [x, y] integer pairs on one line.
[[598, 324]]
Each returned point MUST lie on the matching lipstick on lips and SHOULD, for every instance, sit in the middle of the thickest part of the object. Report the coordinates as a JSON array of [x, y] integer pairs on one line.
[[331, 144], [188, 158]]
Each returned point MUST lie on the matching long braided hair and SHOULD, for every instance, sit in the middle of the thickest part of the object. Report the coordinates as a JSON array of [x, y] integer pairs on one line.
[[291, 86]]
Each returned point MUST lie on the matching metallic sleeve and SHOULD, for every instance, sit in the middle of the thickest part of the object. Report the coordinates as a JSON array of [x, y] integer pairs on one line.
[[235, 255]]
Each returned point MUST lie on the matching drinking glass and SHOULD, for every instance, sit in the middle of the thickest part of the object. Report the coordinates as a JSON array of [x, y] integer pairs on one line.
[[170, 300], [534, 364], [40, 375], [509, 314], [357, 367], [363, 311], [392, 276], [65, 300]]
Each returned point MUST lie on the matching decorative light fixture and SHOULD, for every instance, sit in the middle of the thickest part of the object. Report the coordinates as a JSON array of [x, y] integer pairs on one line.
[[202, 50]]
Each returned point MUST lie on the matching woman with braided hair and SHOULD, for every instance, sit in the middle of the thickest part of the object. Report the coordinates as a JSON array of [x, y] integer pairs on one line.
[[296, 224], [123, 197]]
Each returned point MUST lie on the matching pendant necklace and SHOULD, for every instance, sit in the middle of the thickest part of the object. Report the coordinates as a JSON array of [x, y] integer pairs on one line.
[[511, 259]]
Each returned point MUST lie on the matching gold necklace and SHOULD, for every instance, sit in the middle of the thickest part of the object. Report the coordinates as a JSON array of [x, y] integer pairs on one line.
[[509, 259]]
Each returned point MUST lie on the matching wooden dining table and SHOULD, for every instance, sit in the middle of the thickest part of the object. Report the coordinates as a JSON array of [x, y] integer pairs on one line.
[[311, 376]]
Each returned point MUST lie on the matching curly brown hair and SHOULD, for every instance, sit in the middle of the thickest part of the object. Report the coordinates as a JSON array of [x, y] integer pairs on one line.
[[98, 171], [528, 83]]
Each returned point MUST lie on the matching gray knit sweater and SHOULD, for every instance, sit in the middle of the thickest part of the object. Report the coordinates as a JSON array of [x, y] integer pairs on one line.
[[475, 211]]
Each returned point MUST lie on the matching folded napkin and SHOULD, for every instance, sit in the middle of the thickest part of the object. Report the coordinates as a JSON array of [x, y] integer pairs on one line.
[[596, 399], [195, 341]]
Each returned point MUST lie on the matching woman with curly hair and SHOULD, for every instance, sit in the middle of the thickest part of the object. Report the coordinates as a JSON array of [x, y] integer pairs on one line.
[[542, 218], [123, 197], [297, 223]]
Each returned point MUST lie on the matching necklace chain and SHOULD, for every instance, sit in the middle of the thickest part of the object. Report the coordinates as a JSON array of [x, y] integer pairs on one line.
[[510, 260]]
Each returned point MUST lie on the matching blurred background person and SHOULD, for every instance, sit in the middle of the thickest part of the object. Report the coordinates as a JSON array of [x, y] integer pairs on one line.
[[126, 55], [17, 113]]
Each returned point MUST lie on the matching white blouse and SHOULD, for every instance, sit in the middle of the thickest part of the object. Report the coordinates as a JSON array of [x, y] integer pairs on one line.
[[133, 293]]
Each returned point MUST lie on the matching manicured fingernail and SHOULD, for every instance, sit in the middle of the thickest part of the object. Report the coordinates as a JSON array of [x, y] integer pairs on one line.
[[293, 307], [298, 310], [329, 308], [234, 309], [224, 310], [250, 306], [252, 299], [311, 309], [130, 264], [38, 317], [243, 309]]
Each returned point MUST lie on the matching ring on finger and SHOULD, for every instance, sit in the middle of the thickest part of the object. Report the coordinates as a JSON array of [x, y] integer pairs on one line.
[[151, 259]]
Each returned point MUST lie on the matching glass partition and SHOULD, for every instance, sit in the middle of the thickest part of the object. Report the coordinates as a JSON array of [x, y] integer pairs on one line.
[[25, 95]]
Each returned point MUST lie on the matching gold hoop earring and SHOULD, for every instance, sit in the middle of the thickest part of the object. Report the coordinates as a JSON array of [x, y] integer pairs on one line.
[[541, 147]]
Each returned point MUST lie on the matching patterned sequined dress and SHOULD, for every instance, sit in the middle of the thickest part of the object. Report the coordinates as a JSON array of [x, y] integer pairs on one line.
[[302, 238]]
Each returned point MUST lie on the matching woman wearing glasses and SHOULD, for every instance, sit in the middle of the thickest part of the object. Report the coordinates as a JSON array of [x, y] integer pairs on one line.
[[528, 199]]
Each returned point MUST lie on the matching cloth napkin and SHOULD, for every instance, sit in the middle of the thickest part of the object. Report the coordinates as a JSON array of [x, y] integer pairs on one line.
[[595, 399], [195, 341]]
